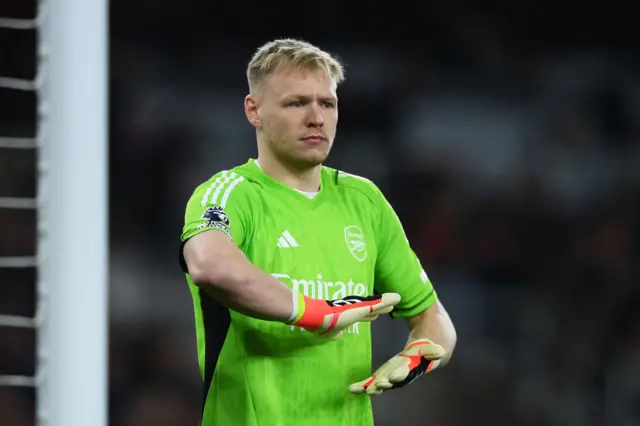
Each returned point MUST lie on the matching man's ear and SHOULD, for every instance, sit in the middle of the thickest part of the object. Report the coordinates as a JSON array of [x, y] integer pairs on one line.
[[251, 110]]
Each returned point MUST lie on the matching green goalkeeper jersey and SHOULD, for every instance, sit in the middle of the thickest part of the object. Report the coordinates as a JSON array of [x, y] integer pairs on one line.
[[346, 240]]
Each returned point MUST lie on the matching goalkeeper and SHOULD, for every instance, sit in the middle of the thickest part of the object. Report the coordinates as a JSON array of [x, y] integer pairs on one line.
[[289, 261]]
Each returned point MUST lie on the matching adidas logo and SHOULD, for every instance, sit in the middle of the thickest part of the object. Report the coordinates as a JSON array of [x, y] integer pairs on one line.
[[286, 240]]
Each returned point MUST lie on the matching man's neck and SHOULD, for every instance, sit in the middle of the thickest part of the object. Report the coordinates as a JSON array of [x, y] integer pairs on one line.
[[302, 180]]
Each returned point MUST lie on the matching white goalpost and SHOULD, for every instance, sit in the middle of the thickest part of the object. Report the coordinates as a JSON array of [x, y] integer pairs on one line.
[[72, 208]]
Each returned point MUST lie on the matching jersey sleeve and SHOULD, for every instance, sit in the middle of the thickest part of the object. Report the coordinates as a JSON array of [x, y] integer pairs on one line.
[[398, 269], [221, 204]]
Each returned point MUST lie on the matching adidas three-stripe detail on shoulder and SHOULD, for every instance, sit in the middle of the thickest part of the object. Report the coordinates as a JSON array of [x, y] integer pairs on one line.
[[220, 189]]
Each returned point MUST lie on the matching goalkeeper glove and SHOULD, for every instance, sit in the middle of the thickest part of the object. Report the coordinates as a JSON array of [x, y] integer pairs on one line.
[[330, 317], [419, 357]]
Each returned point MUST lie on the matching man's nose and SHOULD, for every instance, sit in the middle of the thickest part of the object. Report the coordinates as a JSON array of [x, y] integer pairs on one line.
[[315, 116]]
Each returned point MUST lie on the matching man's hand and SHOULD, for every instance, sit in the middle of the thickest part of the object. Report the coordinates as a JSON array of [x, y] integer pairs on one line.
[[419, 357], [330, 317]]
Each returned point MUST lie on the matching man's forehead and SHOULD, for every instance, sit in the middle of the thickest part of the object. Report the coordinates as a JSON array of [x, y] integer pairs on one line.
[[289, 77]]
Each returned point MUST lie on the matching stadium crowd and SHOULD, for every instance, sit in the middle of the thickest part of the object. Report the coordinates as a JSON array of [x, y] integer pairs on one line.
[[515, 168]]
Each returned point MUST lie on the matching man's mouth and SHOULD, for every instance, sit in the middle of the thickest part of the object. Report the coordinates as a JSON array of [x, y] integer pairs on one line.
[[315, 139]]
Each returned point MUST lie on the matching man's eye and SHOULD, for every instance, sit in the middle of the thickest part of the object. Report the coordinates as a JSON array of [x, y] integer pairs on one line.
[[296, 104]]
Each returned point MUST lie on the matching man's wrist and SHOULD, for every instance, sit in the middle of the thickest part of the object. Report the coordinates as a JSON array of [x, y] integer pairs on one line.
[[309, 313], [298, 307]]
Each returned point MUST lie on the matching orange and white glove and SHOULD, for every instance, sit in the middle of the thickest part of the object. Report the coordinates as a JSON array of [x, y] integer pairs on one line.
[[330, 317], [419, 357]]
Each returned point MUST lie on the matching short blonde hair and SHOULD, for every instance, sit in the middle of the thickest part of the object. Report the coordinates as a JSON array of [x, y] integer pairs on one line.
[[291, 52]]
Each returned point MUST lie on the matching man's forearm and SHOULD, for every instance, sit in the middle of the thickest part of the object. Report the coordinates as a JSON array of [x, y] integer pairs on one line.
[[434, 324], [222, 271], [253, 293]]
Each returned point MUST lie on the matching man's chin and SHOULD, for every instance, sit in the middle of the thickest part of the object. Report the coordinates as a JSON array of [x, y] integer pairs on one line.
[[310, 159], [317, 158]]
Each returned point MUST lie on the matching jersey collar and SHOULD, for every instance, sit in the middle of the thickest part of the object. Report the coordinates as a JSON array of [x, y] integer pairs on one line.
[[288, 193]]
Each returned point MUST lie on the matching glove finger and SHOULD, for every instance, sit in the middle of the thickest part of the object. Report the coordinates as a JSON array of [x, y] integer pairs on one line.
[[353, 315], [383, 384], [399, 373], [432, 351], [370, 318], [375, 315], [360, 387], [388, 300], [374, 390], [333, 334], [348, 317], [385, 310]]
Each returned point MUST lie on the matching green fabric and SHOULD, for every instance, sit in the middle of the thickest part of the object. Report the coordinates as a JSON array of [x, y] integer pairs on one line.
[[347, 240]]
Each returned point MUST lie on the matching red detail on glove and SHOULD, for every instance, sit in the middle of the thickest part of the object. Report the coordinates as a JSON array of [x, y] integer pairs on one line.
[[414, 360], [314, 312], [368, 382], [419, 343], [334, 321]]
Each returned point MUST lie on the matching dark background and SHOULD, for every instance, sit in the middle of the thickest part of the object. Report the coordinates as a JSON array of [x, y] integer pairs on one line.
[[506, 136]]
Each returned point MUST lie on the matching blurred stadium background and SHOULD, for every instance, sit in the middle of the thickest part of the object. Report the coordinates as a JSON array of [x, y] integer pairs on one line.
[[507, 136]]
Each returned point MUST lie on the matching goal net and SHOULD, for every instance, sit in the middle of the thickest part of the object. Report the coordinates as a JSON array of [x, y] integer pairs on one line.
[[53, 210]]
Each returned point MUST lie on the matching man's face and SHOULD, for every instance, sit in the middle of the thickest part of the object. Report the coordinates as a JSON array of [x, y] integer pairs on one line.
[[297, 111]]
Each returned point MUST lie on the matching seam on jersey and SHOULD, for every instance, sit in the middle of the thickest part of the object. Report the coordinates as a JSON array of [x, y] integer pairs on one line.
[[246, 379], [375, 204], [363, 192], [243, 354], [254, 213]]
